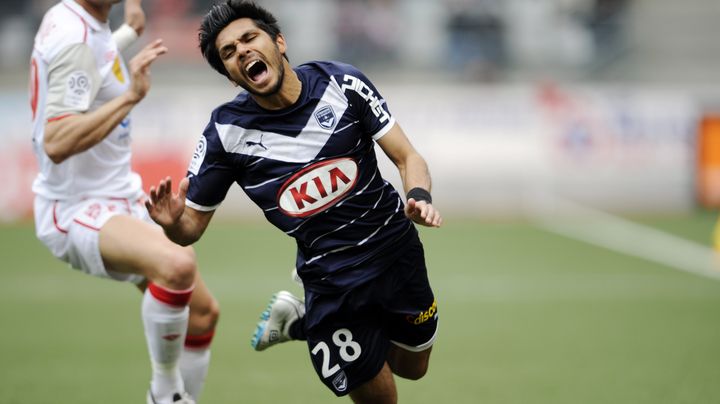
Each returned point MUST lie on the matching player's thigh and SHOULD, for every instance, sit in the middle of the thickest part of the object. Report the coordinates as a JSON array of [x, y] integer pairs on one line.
[[71, 230], [379, 390], [132, 245], [411, 317], [408, 364]]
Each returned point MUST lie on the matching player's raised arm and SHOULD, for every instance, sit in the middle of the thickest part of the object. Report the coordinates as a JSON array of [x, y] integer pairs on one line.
[[135, 16], [73, 133], [182, 224], [133, 27], [415, 177]]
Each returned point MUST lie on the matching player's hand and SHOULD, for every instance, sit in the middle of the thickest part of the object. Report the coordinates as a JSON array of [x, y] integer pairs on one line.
[[135, 16], [423, 213], [166, 208], [140, 69]]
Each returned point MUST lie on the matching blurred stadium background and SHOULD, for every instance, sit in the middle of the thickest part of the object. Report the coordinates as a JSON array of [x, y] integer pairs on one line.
[[575, 150]]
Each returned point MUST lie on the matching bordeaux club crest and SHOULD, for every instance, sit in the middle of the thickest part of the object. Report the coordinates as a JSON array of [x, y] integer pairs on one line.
[[325, 117]]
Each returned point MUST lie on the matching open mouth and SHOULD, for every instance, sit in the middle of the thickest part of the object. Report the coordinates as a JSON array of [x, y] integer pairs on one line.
[[256, 70]]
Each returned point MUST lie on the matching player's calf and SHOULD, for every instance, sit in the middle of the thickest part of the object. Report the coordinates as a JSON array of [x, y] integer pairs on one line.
[[195, 359]]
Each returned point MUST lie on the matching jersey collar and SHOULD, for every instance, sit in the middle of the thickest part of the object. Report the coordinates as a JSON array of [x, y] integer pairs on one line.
[[89, 19]]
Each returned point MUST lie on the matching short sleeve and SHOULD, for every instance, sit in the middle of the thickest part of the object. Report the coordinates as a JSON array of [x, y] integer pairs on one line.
[[73, 81], [211, 172], [368, 103]]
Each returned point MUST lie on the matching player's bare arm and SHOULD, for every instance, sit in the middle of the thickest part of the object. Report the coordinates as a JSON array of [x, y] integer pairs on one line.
[[134, 15], [182, 224], [79, 132], [414, 173]]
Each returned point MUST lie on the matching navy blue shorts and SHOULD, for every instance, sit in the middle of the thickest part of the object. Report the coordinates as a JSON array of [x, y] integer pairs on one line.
[[349, 334]]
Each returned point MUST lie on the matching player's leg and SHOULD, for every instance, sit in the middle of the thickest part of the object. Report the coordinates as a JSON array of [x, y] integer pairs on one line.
[[408, 364], [195, 358], [380, 390], [411, 317], [130, 245]]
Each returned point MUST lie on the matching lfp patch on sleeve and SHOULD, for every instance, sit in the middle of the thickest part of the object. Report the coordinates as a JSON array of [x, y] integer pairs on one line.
[[77, 90], [198, 156]]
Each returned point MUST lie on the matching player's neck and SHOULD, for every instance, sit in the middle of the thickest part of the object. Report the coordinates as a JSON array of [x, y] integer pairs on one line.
[[100, 12], [287, 96]]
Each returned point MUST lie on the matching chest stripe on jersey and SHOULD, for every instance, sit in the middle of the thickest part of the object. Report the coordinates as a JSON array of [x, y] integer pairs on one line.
[[299, 149], [365, 240], [350, 222], [347, 126], [268, 181], [397, 209]]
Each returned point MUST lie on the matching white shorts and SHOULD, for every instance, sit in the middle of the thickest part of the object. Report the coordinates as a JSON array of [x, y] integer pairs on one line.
[[71, 230]]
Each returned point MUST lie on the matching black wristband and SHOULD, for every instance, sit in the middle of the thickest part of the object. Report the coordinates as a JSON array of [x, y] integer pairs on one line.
[[419, 194]]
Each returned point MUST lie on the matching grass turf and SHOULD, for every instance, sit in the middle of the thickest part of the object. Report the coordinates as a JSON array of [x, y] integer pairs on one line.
[[525, 317]]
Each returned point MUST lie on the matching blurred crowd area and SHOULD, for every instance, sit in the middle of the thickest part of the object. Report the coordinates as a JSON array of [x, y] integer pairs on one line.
[[479, 41], [476, 40]]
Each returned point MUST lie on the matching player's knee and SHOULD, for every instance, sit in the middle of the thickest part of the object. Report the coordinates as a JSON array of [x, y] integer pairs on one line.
[[179, 268], [205, 317]]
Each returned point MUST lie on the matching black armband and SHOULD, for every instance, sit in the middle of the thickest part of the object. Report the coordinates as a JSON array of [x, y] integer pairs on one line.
[[419, 194]]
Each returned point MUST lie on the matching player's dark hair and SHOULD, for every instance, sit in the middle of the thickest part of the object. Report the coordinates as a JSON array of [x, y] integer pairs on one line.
[[220, 16]]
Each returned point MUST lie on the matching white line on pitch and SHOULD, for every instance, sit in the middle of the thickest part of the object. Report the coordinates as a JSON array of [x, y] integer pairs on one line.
[[620, 235]]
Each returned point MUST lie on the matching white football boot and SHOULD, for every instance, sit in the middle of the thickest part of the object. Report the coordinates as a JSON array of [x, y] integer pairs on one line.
[[274, 325]]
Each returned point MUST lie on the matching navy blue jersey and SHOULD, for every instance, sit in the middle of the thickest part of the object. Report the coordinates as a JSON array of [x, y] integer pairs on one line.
[[312, 170]]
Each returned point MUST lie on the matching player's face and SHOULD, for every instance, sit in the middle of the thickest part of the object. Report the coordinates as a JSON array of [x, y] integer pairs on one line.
[[253, 60]]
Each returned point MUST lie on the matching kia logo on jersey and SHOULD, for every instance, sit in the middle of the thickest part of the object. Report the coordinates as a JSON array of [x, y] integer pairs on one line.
[[317, 187]]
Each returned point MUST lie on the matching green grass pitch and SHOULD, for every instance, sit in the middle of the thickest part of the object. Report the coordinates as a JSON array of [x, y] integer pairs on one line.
[[525, 317]]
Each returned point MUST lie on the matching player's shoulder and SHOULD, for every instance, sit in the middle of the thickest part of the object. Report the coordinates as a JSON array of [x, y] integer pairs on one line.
[[329, 68], [228, 112], [61, 27]]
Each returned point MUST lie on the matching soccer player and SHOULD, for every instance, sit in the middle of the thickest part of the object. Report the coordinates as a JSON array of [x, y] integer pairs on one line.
[[300, 143], [89, 209]]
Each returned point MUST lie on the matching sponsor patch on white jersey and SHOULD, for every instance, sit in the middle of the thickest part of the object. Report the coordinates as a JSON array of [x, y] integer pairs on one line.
[[317, 187], [198, 156], [77, 90]]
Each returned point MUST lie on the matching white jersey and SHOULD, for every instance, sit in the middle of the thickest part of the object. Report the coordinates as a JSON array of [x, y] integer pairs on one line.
[[76, 67]]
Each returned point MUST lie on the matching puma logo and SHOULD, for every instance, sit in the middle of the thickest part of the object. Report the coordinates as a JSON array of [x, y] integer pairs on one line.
[[259, 143]]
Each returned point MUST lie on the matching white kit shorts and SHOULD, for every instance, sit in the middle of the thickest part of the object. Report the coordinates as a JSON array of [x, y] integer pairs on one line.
[[71, 230]]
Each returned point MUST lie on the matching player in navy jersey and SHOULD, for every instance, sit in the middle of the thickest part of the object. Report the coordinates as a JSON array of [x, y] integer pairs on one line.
[[300, 143]]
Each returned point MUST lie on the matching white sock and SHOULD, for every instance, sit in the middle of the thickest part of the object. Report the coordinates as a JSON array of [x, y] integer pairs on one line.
[[194, 365], [165, 316]]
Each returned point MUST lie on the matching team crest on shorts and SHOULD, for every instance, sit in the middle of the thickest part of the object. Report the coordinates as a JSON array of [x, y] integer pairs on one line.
[[340, 381], [325, 117]]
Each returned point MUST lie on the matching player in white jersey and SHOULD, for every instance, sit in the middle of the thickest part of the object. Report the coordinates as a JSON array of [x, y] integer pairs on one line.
[[89, 204]]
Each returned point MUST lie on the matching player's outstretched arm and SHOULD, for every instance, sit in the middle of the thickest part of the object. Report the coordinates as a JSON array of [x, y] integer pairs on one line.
[[76, 133], [182, 225], [415, 177], [133, 27], [135, 16]]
